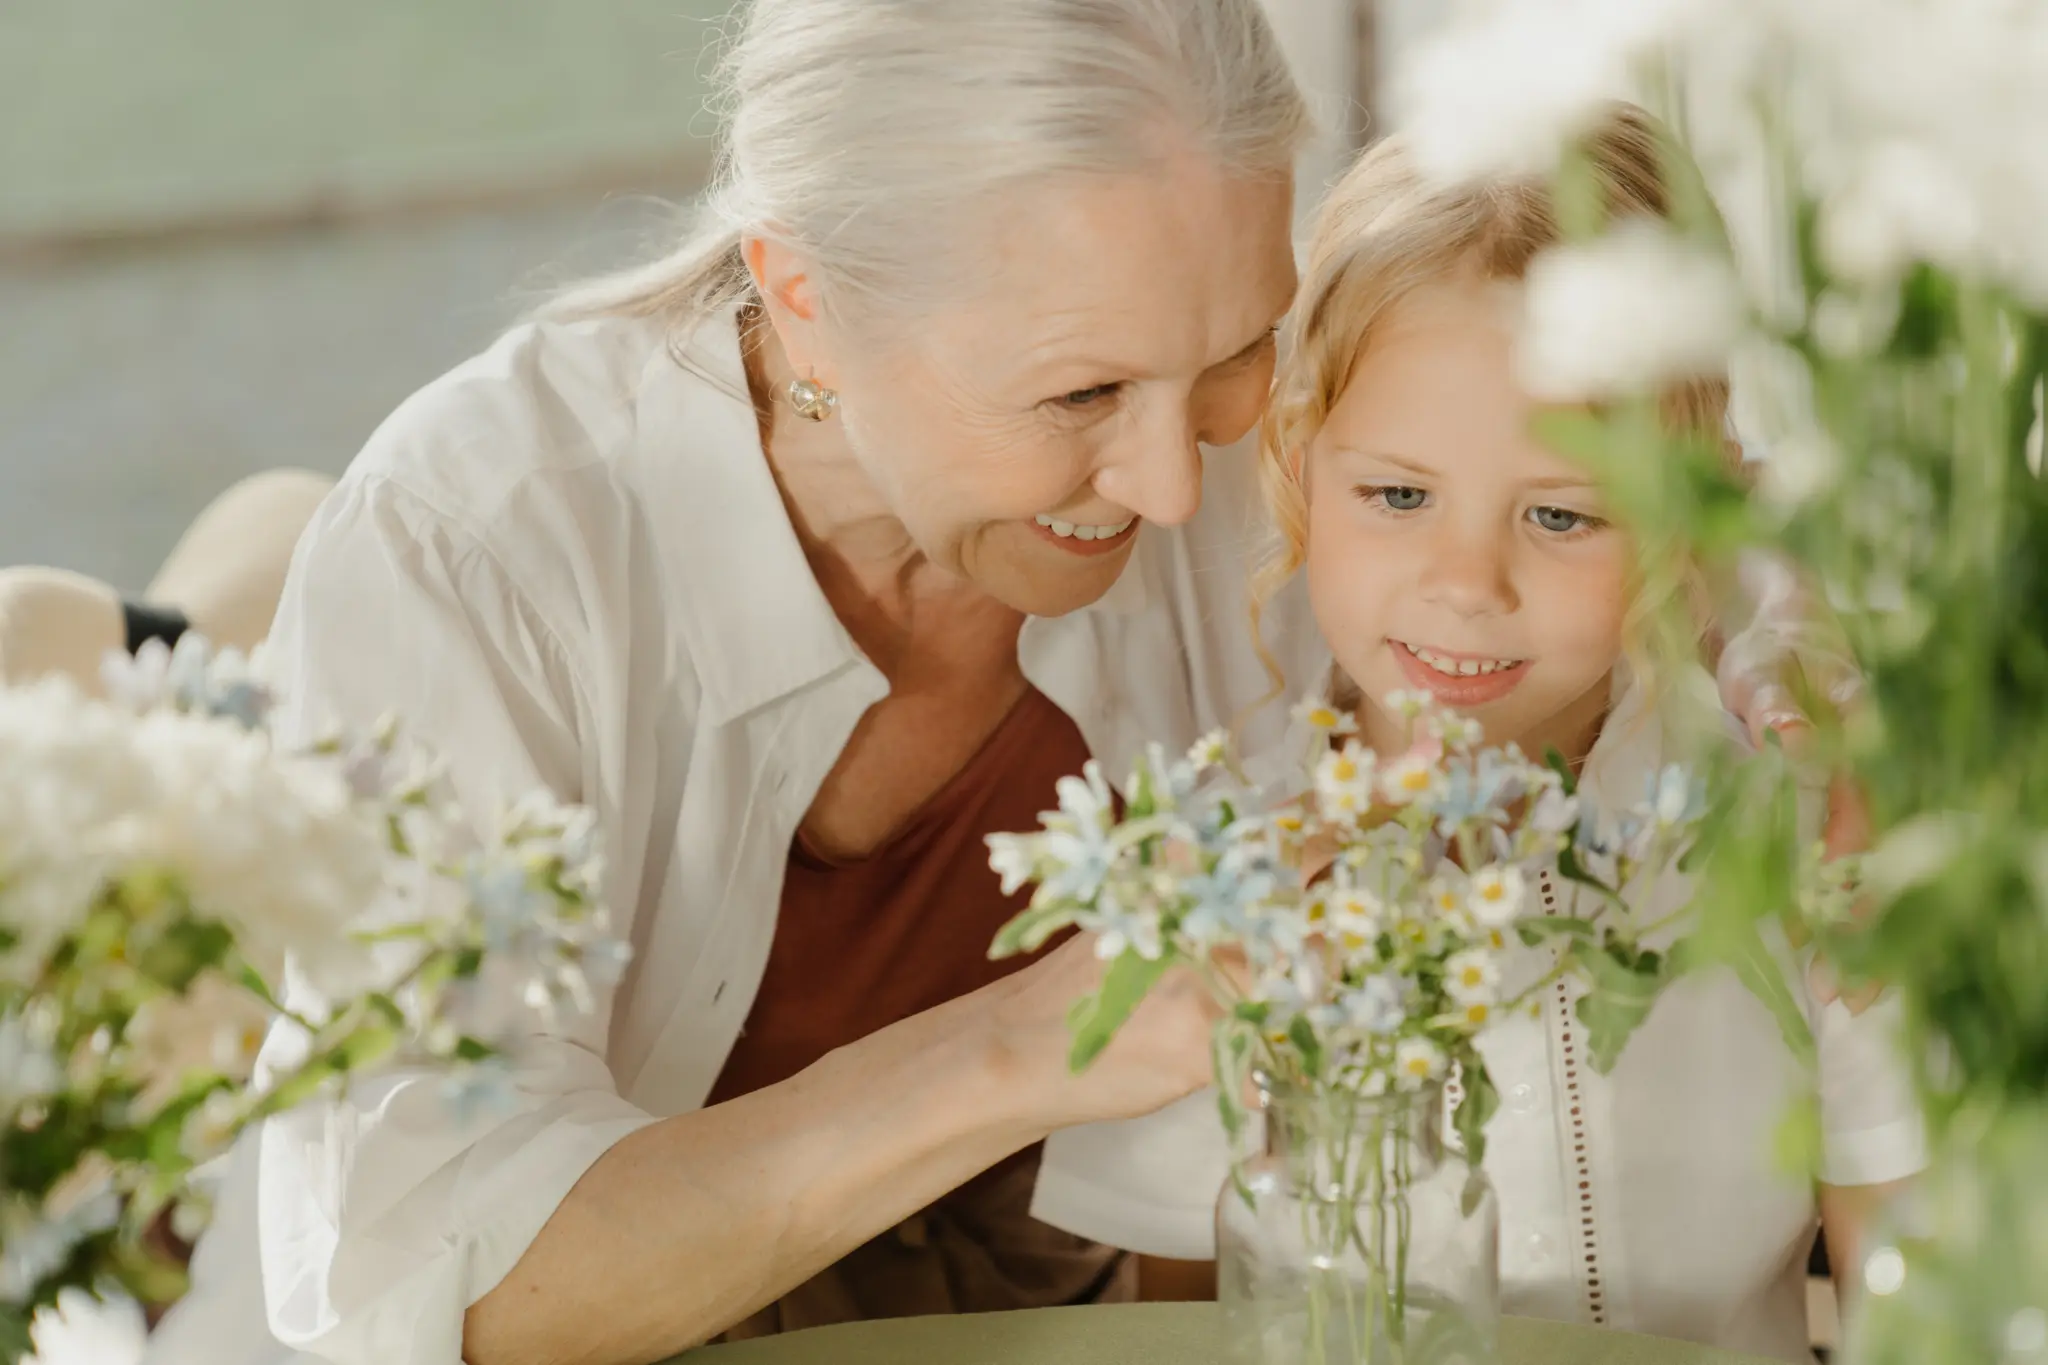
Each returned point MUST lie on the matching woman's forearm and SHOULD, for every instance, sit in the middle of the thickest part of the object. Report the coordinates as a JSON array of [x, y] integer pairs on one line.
[[693, 1223]]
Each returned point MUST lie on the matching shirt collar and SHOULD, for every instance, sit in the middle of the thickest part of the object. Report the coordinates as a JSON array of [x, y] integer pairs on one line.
[[741, 593], [1647, 728]]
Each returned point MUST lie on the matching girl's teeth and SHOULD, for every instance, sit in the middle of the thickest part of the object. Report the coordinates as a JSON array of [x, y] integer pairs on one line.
[[1459, 668], [1065, 529]]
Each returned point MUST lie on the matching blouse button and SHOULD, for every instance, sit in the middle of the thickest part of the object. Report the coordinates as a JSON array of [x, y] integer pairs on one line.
[[1522, 1098], [1540, 1248]]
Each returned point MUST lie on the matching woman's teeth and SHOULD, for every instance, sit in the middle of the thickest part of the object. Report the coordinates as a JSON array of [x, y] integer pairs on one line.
[[1459, 668], [1068, 528]]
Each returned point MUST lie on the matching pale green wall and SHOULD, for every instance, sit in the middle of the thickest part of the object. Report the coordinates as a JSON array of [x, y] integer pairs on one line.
[[138, 380], [116, 114]]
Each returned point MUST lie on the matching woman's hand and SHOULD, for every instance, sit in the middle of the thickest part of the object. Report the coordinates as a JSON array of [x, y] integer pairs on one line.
[[1159, 1055]]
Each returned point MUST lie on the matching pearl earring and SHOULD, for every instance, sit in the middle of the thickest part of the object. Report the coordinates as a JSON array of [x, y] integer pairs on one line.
[[811, 399]]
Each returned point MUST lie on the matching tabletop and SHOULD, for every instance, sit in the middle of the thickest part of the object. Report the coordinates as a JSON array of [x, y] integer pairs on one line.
[[1141, 1334]]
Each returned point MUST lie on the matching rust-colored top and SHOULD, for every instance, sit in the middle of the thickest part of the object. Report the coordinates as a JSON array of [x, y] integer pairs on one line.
[[863, 944]]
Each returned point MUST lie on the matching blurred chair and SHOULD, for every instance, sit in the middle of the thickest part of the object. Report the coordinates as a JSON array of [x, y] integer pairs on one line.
[[222, 580]]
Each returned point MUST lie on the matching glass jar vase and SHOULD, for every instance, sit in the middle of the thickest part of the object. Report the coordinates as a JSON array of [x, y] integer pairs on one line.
[[1352, 1235]]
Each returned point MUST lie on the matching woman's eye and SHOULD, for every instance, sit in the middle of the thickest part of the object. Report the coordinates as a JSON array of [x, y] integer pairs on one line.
[[1561, 520], [1403, 499], [1081, 398]]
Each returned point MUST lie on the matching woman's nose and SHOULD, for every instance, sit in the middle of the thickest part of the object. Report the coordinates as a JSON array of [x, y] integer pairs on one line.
[[1160, 480]]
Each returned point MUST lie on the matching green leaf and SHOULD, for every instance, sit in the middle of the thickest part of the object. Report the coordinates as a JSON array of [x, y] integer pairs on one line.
[[1796, 1144], [1230, 1048], [15, 1342], [1535, 931], [1474, 1112], [1029, 929], [1555, 761], [1096, 1018], [1759, 970], [1622, 993], [1303, 1035]]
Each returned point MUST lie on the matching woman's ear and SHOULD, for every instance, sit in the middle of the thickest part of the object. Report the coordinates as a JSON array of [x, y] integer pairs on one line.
[[789, 295]]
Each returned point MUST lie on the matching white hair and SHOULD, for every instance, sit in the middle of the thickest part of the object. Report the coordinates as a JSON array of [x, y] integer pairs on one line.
[[864, 133]]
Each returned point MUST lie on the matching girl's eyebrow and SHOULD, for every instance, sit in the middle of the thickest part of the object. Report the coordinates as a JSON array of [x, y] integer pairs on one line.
[[1383, 457], [1552, 483]]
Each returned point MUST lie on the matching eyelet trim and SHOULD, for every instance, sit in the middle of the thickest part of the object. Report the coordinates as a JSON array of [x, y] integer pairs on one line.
[[1581, 1159]]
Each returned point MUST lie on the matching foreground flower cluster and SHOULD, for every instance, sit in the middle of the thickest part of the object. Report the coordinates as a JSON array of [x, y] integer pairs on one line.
[[166, 867]]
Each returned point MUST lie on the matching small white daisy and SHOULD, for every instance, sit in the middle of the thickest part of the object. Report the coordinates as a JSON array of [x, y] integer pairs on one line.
[[1344, 779], [1472, 976], [1417, 1061], [1496, 897], [1319, 715], [1408, 779]]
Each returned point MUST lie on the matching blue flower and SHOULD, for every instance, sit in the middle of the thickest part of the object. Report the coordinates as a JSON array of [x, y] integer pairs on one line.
[[1378, 1004]]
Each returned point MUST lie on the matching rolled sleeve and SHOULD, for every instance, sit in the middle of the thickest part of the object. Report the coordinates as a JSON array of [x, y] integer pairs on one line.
[[383, 1215], [1872, 1128]]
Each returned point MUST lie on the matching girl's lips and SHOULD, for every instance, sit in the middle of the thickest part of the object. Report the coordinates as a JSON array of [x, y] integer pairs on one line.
[[1462, 691]]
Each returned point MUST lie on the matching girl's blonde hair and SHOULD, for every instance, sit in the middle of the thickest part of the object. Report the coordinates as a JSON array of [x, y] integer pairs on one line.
[[872, 136], [1386, 231]]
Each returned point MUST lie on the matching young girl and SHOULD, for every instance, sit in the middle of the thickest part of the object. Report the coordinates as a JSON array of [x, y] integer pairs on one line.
[[1447, 549]]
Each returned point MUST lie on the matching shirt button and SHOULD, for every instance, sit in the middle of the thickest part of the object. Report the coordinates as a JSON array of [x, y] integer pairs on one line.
[[1522, 1098]]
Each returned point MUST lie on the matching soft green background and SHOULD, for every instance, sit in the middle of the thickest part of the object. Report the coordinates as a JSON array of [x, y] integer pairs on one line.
[[119, 113], [141, 373]]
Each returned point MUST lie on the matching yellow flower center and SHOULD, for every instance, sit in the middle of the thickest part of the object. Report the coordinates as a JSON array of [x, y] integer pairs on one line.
[[1415, 780], [1477, 1014], [1344, 770], [1323, 718]]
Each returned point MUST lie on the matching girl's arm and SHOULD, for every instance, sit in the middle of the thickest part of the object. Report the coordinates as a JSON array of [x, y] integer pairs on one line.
[[1846, 1212]]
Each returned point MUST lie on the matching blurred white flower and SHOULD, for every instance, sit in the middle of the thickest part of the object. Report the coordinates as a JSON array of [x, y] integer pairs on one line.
[[1631, 310], [215, 1027], [1409, 778], [1014, 858], [1317, 714], [1121, 933], [1472, 976], [82, 1329], [1210, 751], [1378, 1004], [1496, 895], [1417, 1061], [1353, 917], [1344, 779], [1499, 90]]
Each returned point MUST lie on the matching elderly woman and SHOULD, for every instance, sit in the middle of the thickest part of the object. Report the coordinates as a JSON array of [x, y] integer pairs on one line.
[[808, 555]]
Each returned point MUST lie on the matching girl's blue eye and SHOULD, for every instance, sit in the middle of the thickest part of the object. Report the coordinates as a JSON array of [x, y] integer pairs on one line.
[[1403, 499], [1561, 520]]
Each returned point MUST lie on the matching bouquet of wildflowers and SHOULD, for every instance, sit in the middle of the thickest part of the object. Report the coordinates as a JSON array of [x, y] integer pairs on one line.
[[1372, 911], [1357, 930], [1880, 297], [163, 861]]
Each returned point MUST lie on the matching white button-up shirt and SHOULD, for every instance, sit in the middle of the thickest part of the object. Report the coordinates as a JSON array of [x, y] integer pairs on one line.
[[566, 564], [1648, 1199]]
